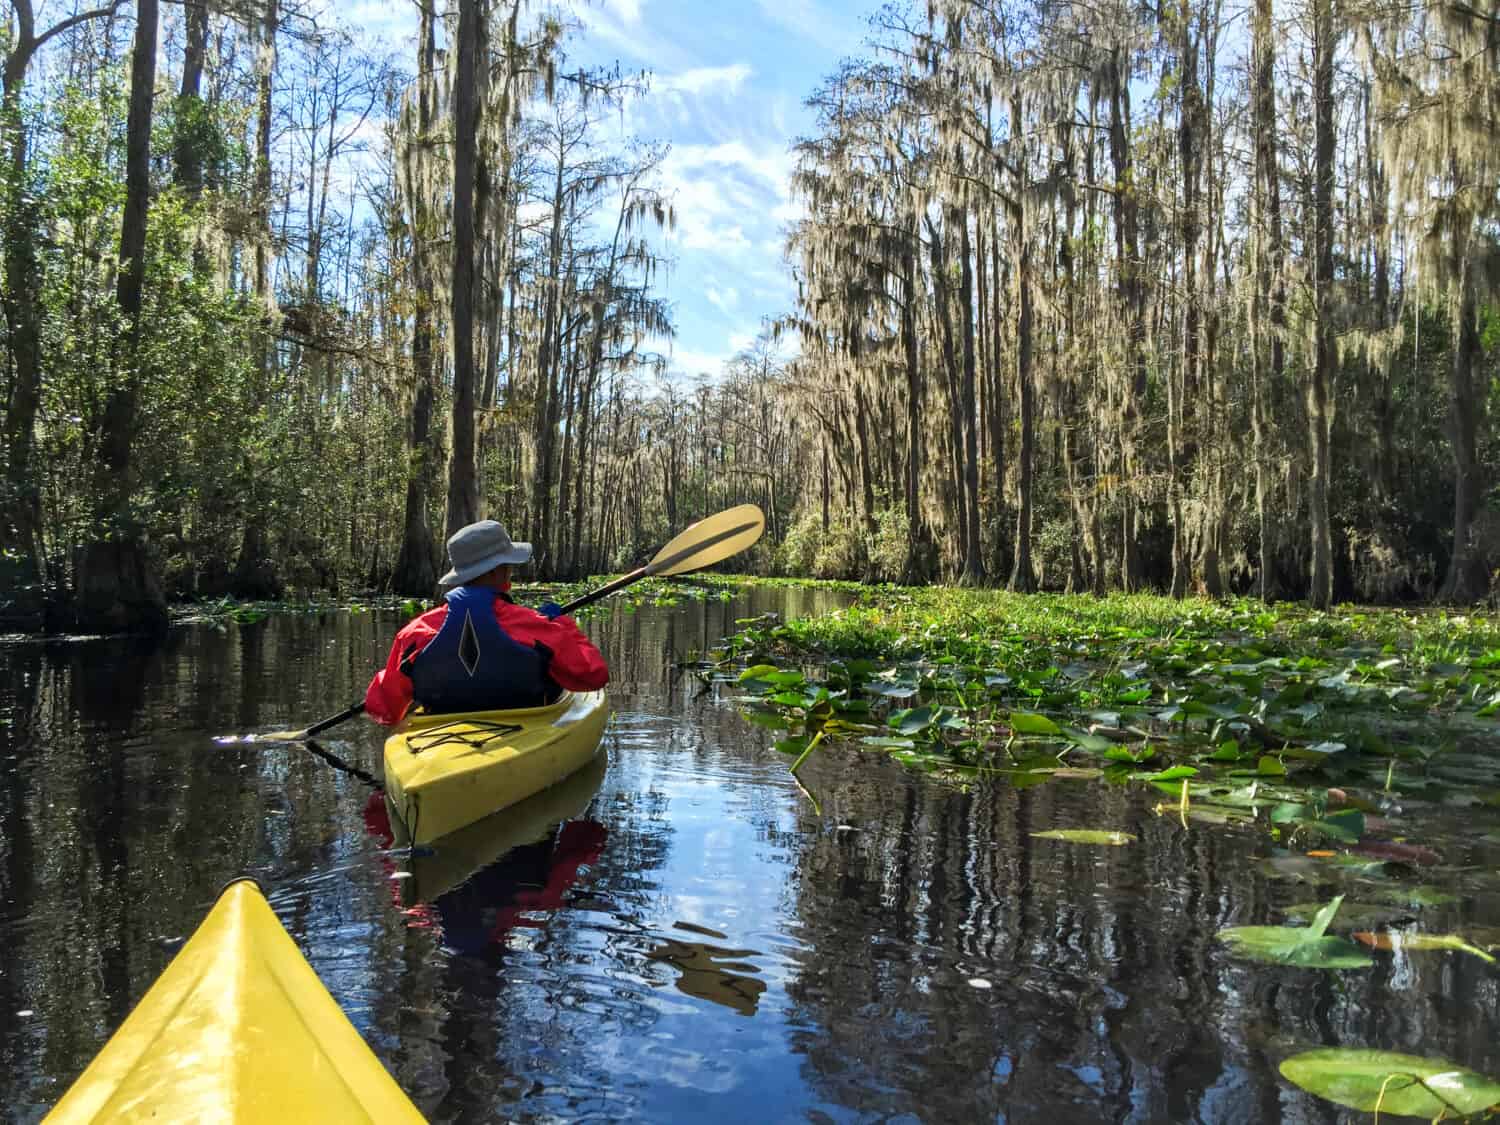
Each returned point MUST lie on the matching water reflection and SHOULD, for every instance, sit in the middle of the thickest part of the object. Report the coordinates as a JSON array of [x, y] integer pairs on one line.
[[712, 972], [908, 952]]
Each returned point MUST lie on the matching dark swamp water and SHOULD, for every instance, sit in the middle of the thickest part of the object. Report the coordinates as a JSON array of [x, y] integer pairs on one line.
[[695, 941]]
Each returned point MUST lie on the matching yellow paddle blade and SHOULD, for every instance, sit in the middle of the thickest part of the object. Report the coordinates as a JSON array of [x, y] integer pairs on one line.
[[710, 540]]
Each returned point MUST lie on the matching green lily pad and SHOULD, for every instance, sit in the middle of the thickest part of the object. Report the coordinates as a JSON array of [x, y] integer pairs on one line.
[[1173, 773], [1270, 767], [887, 742], [1306, 947], [1093, 743], [1402, 1085], [1029, 722], [1087, 836], [913, 721]]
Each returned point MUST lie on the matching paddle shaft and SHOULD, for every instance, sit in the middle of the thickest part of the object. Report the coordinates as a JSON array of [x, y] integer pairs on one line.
[[334, 720], [606, 590]]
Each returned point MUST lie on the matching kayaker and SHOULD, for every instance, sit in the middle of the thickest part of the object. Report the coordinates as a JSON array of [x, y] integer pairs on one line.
[[481, 651]]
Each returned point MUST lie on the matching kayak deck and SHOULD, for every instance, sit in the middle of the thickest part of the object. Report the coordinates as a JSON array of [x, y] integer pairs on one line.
[[444, 772], [237, 1028]]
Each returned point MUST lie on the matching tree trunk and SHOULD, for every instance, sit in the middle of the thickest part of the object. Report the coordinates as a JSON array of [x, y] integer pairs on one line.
[[915, 569], [187, 157], [1466, 580], [416, 566], [255, 574], [973, 569], [1320, 376], [1265, 343], [942, 299], [463, 480], [1022, 578], [21, 510], [116, 586], [1190, 154], [545, 410], [1131, 293], [999, 388]]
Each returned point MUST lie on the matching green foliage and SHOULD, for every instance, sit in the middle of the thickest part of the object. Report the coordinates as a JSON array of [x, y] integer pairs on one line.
[[797, 552], [1306, 947], [1104, 837], [1387, 1083]]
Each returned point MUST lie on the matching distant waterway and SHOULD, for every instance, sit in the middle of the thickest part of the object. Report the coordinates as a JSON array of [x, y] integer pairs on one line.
[[680, 933]]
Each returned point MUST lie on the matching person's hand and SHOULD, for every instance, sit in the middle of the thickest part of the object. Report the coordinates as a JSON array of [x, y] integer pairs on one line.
[[549, 610]]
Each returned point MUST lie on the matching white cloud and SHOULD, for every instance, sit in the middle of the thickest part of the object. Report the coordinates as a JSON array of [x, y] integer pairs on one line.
[[772, 164], [702, 80], [690, 361], [725, 300], [629, 11]]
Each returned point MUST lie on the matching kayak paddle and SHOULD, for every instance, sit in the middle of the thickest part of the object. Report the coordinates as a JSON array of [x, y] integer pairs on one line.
[[704, 543], [710, 540]]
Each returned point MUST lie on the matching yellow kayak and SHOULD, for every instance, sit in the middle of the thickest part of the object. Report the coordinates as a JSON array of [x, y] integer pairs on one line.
[[238, 1028], [451, 859], [444, 772]]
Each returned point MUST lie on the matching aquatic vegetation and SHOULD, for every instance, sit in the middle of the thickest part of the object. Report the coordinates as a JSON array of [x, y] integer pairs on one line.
[[1383, 1082], [1306, 947], [1393, 940], [1142, 688], [1087, 836]]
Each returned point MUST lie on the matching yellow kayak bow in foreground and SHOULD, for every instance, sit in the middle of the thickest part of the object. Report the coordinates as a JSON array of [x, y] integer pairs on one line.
[[238, 1028], [444, 772]]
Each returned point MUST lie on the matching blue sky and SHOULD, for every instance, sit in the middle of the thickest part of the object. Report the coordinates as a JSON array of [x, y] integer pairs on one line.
[[728, 83], [728, 80]]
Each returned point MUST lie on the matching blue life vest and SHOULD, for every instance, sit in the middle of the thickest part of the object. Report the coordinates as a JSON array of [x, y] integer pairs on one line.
[[474, 665]]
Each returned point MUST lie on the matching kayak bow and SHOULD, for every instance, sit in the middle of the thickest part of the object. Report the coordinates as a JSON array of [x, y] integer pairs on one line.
[[237, 1028]]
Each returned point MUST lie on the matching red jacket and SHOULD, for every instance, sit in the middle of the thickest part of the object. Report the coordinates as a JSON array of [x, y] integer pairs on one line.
[[576, 664]]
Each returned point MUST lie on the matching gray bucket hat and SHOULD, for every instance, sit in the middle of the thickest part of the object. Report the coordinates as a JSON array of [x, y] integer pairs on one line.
[[479, 549]]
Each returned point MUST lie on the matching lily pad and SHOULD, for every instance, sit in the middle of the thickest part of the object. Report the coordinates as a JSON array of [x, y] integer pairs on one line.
[[1173, 773], [1087, 836], [887, 742], [1093, 743], [913, 721], [1306, 947], [1029, 722], [1404, 1085]]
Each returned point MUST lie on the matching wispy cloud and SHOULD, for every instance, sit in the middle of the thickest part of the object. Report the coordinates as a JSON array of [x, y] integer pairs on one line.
[[628, 11], [810, 20], [706, 79], [725, 300], [691, 361], [723, 189]]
